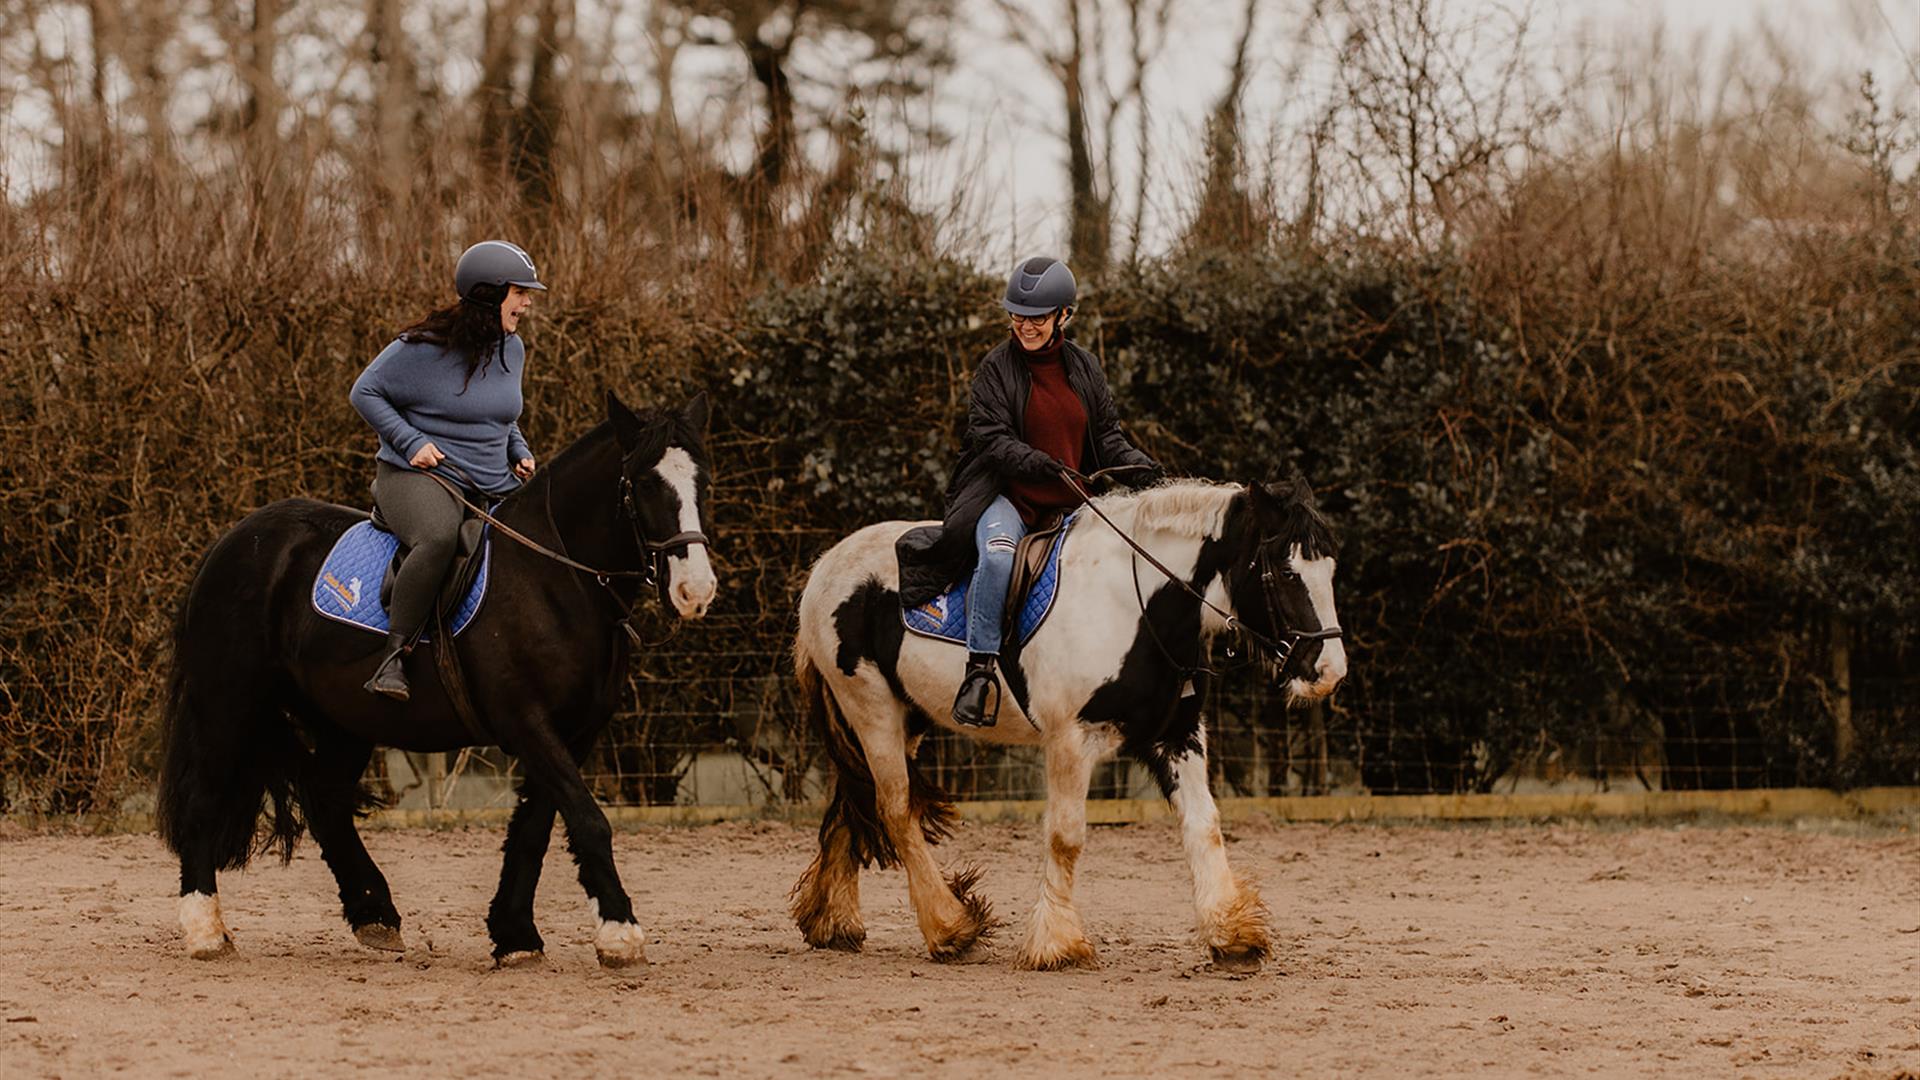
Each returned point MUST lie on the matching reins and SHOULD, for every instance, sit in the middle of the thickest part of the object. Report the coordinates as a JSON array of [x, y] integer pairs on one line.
[[1282, 651], [654, 574]]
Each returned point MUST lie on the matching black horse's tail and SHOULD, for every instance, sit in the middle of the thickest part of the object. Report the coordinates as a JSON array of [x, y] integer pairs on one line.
[[227, 743], [853, 810]]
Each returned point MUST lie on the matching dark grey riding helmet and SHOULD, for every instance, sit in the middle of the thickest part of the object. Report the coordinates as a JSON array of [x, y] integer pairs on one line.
[[495, 262], [1040, 285]]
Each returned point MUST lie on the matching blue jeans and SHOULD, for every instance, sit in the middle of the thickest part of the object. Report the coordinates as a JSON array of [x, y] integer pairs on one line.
[[995, 537]]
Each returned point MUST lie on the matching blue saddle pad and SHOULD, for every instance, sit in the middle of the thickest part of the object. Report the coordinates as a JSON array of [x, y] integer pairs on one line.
[[945, 616], [347, 588]]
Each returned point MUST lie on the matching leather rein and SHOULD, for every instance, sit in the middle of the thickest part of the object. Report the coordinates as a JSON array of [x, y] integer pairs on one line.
[[1280, 649], [658, 551]]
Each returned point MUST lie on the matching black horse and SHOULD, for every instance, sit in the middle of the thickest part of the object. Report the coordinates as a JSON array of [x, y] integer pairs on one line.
[[265, 697]]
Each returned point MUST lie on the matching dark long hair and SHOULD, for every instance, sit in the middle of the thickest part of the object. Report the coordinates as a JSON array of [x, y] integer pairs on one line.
[[469, 327]]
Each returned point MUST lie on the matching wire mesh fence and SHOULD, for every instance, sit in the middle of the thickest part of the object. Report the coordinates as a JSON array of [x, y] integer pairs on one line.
[[713, 725]]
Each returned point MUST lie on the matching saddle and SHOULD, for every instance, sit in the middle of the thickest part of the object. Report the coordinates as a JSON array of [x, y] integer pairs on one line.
[[460, 573], [1029, 562]]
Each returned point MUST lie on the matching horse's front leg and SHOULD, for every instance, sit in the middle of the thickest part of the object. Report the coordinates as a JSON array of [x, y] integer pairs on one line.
[[618, 939], [1055, 937], [1232, 919]]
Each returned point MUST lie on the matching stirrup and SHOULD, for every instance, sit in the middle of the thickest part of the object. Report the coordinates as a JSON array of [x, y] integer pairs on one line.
[[987, 717], [390, 678]]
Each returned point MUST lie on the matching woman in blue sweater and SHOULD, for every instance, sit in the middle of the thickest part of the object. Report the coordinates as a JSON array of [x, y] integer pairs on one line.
[[447, 391]]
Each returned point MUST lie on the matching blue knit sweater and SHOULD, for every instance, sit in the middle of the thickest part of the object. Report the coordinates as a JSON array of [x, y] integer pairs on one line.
[[411, 394]]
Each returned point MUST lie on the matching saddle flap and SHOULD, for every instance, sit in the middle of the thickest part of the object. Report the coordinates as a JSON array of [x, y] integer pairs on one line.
[[1029, 563], [460, 573]]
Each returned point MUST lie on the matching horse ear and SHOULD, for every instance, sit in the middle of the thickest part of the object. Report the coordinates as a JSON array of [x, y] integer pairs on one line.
[[697, 413], [1266, 504], [1302, 490], [626, 426]]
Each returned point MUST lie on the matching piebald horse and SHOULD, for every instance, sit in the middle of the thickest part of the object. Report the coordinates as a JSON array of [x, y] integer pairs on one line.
[[1110, 670], [265, 701]]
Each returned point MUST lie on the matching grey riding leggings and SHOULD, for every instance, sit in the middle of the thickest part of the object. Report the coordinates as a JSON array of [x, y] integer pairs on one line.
[[427, 521]]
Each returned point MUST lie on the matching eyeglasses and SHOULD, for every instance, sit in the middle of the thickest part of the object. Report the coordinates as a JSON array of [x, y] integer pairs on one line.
[[1033, 320]]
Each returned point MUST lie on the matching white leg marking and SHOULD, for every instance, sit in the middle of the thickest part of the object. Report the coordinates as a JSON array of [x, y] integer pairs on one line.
[[1056, 937], [1230, 917], [617, 944], [206, 932]]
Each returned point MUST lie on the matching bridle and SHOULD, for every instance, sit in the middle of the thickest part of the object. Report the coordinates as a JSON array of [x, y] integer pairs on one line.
[[656, 552], [1280, 648]]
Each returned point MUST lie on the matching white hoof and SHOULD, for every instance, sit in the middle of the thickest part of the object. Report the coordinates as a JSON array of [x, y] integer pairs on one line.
[[620, 945], [206, 932], [523, 959]]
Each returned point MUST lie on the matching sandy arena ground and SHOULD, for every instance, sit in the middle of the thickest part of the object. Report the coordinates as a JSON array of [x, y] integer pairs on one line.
[[1652, 950]]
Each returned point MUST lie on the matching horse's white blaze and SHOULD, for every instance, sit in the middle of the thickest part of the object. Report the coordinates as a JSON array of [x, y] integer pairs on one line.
[[617, 944], [205, 930], [690, 577], [1317, 576]]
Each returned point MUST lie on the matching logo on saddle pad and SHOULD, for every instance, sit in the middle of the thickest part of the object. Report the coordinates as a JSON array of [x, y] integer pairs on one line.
[[350, 592]]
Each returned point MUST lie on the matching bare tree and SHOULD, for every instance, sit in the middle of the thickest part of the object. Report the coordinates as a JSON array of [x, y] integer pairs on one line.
[[1095, 94], [1437, 100], [902, 38], [396, 97], [1227, 213]]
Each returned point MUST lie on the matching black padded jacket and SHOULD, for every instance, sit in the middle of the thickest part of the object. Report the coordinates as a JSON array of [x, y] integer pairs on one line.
[[933, 557]]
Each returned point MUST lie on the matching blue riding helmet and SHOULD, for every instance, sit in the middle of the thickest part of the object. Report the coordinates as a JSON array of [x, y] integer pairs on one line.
[[495, 262], [1040, 285]]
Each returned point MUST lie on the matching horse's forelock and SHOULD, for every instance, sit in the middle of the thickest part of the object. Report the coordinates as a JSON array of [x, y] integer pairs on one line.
[[1304, 526]]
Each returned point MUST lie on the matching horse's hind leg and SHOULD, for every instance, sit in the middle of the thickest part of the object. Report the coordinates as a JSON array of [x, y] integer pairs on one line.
[[329, 788], [826, 900], [1055, 936], [1231, 917], [510, 917], [951, 924]]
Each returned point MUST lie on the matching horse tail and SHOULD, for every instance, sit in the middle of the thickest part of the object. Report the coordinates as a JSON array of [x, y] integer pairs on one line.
[[852, 816], [853, 808], [227, 745]]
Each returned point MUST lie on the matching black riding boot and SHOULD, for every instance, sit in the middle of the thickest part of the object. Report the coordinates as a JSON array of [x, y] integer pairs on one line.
[[390, 678], [970, 704]]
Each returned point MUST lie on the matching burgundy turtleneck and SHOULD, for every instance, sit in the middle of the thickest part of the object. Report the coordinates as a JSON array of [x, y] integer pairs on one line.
[[1055, 425]]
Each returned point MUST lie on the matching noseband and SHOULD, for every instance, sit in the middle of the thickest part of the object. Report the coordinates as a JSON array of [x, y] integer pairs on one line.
[[1290, 636], [657, 551]]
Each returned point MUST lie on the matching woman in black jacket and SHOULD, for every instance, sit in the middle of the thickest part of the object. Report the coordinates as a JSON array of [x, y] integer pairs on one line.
[[1040, 405]]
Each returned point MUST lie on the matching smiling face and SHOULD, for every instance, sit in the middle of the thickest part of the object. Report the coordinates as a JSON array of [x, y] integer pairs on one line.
[[1033, 332], [518, 300]]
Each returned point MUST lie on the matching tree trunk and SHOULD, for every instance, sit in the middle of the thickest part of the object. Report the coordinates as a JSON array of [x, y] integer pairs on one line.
[[261, 120], [1091, 227], [539, 118], [396, 101], [495, 92], [1226, 217]]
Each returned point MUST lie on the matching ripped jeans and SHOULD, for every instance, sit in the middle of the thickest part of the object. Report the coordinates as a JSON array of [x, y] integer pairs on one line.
[[995, 537]]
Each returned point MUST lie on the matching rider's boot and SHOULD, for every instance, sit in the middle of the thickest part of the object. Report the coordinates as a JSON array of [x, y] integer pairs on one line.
[[390, 678], [970, 704]]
